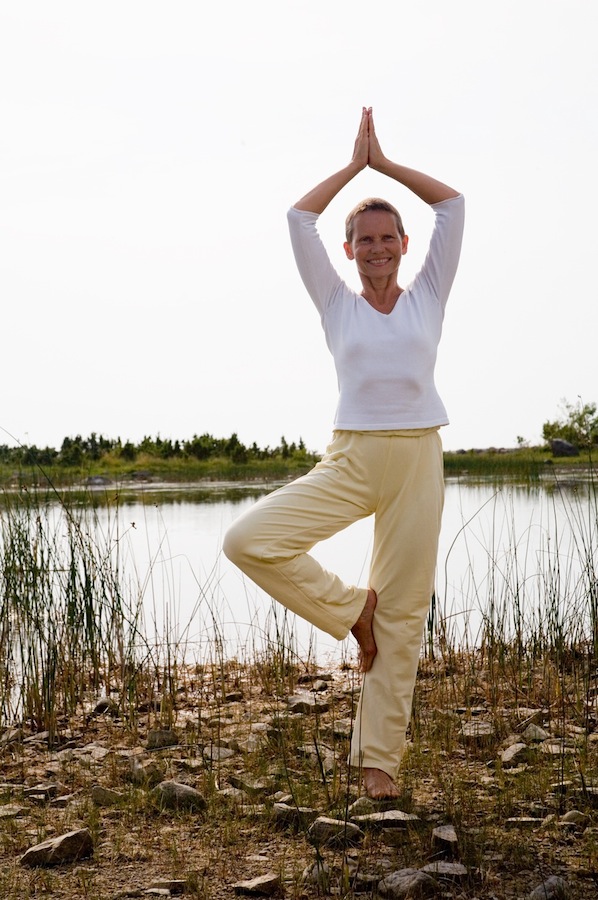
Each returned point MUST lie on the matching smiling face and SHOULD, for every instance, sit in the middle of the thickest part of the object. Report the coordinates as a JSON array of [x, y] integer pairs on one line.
[[376, 244]]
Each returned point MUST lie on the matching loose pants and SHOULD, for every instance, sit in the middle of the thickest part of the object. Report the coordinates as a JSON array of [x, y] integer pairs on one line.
[[397, 476]]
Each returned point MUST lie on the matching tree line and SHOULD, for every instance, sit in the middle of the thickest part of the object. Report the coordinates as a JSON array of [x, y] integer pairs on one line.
[[78, 451], [577, 424]]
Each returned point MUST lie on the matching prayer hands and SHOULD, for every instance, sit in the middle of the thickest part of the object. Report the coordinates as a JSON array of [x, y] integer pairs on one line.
[[367, 150]]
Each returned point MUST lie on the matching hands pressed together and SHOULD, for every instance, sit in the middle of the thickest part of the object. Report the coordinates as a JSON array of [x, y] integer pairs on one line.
[[367, 150]]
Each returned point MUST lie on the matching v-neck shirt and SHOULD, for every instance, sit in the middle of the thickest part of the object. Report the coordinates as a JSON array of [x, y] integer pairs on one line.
[[384, 361]]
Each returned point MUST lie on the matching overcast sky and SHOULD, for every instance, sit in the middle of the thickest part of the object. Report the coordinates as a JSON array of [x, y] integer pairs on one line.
[[149, 154]]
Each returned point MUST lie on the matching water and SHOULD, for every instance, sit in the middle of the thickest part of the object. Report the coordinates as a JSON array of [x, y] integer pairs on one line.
[[502, 547]]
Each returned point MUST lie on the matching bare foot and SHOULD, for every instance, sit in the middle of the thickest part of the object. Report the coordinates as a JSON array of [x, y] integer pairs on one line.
[[363, 633], [379, 785]]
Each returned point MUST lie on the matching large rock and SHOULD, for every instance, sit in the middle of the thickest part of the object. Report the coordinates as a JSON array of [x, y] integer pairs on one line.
[[408, 883], [563, 448], [173, 795], [333, 832], [62, 849]]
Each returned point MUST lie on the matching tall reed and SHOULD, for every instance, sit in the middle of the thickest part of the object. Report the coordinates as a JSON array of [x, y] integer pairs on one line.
[[67, 626]]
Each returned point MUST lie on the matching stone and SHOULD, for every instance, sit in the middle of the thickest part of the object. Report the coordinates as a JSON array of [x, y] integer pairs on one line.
[[318, 875], [306, 703], [554, 888], [295, 816], [444, 838], [12, 811], [173, 795], [333, 832], [512, 755], [65, 848], [146, 773], [161, 737], [535, 733], [477, 732], [390, 818], [217, 753], [526, 822], [106, 706], [172, 885], [408, 883], [255, 787], [263, 885], [103, 796], [454, 871], [563, 448], [575, 817]]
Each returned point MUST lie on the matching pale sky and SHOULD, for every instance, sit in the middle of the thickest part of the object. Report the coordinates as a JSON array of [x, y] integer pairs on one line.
[[149, 154]]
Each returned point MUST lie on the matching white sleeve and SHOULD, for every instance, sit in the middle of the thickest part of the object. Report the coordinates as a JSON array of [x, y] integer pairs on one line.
[[317, 272], [440, 265]]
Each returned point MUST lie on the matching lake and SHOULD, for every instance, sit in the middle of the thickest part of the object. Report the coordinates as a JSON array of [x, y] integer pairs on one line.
[[503, 549]]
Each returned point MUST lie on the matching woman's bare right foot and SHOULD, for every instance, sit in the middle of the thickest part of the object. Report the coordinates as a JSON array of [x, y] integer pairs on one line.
[[379, 785], [363, 633]]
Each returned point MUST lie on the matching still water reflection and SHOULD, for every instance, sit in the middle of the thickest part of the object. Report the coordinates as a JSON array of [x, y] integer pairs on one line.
[[497, 545]]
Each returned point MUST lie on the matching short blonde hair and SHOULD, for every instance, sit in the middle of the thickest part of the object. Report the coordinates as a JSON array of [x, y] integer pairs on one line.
[[375, 204]]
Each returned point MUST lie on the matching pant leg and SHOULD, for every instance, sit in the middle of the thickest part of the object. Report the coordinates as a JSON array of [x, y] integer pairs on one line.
[[408, 518], [271, 541]]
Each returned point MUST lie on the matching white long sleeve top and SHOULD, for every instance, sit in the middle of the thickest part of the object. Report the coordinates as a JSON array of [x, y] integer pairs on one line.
[[384, 362]]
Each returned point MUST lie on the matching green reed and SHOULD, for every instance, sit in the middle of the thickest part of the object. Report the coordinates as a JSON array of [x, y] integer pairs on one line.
[[67, 627]]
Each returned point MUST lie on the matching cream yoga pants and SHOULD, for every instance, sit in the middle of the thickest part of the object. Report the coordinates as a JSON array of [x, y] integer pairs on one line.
[[397, 476]]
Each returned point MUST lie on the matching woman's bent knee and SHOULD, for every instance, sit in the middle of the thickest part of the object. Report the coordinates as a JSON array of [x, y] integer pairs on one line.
[[235, 543]]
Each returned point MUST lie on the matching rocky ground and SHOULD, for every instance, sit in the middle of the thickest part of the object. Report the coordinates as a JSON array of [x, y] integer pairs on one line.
[[241, 787]]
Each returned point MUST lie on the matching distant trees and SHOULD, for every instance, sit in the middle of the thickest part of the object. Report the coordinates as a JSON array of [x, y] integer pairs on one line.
[[578, 425], [78, 451]]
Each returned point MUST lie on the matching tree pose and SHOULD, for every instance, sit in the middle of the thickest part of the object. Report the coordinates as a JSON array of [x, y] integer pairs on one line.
[[385, 456]]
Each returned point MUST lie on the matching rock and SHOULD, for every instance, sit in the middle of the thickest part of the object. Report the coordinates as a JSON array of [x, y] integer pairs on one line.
[[333, 832], [535, 733], [513, 755], [408, 883], [173, 795], [161, 737], [318, 875], [295, 816], [453, 871], [234, 795], [106, 706], [12, 811], [390, 818], [217, 753], [554, 888], [103, 796], [263, 885], [477, 732], [306, 703], [63, 849], [146, 773], [526, 822], [444, 838], [172, 885], [342, 728], [563, 448], [234, 697], [41, 793], [575, 817], [255, 787]]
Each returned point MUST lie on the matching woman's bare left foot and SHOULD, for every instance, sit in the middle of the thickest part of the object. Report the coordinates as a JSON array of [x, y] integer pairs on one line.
[[379, 785], [363, 633]]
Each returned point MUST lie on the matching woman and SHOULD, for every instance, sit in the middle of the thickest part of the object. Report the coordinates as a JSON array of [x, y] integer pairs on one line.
[[385, 458]]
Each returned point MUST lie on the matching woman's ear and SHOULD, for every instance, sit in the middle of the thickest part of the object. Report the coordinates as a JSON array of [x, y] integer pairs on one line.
[[348, 250]]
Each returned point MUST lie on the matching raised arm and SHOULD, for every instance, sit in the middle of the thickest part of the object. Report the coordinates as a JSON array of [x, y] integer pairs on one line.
[[424, 186], [367, 152], [318, 199]]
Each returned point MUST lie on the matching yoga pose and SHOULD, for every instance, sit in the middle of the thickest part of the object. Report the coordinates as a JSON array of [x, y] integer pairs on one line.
[[385, 456]]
